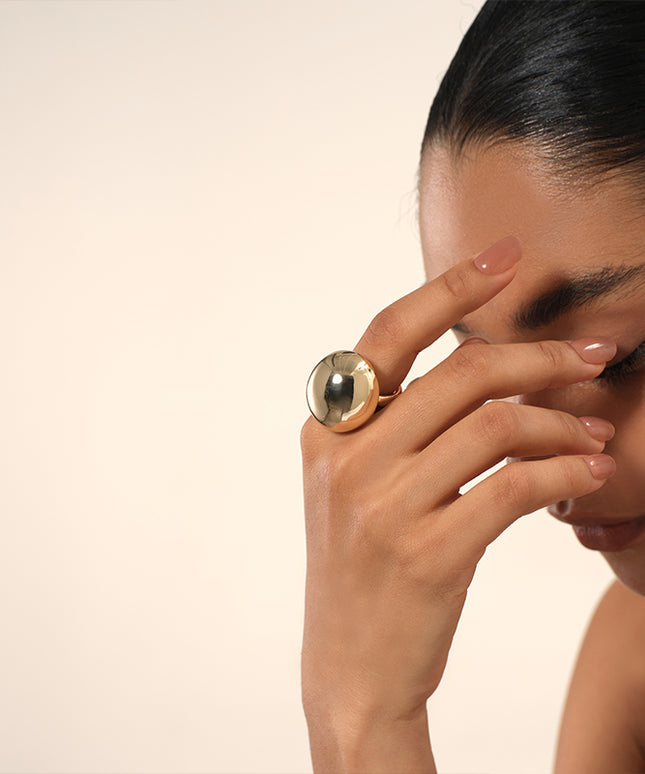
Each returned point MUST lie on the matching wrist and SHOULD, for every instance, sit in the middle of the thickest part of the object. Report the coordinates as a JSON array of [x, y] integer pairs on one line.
[[367, 743]]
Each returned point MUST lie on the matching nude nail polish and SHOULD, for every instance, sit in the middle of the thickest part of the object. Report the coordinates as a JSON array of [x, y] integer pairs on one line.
[[499, 257], [595, 350], [599, 429], [601, 466]]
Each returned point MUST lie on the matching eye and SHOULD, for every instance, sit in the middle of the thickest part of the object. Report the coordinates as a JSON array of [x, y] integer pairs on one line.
[[618, 372]]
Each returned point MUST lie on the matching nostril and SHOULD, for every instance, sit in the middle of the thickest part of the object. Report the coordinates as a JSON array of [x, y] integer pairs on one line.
[[560, 509]]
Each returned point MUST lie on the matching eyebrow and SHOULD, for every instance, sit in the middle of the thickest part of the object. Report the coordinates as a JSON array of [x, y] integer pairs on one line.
[[573, 293]]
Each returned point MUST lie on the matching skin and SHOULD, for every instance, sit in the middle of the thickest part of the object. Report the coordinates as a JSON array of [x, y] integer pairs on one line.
[[391, 545], [502, 190]]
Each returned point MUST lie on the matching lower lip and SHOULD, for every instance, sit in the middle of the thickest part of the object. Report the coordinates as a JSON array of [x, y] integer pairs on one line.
[[614, 537]]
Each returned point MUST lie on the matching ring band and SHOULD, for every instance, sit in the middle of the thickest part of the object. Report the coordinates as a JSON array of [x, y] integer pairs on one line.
[[343, 391], [383, 400]]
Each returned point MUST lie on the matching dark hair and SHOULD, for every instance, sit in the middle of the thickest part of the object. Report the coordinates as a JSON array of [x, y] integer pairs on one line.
[[568, 77]]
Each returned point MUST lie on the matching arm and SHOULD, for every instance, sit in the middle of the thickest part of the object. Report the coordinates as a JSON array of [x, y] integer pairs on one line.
[[392, 545], [375, 746]]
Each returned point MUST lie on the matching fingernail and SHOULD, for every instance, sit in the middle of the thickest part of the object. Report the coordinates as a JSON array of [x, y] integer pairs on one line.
[[598, 429], [595, 350], [601, 465], [500, 256]]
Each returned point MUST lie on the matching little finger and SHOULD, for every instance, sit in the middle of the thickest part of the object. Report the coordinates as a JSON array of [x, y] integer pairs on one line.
[[490, 434], [486, 510]]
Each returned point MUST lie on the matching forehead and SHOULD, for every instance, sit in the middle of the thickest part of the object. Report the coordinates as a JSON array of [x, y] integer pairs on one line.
[[469, 203]]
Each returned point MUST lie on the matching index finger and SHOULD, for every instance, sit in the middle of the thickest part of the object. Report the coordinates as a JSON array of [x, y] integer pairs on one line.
[[400, 331]]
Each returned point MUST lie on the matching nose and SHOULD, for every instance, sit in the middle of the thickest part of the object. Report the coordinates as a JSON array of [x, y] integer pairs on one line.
[[582, 399]]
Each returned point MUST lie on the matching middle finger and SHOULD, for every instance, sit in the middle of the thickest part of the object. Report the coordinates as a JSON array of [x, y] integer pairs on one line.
[[479, 372]]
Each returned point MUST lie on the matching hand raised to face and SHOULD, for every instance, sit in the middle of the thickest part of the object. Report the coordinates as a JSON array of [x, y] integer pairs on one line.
[[392, 546]]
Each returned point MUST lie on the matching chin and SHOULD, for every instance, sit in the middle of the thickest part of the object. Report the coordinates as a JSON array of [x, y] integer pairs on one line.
[[629, 567]]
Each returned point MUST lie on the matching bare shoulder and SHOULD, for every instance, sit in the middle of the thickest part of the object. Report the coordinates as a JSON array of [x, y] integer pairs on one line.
[[603, 723]]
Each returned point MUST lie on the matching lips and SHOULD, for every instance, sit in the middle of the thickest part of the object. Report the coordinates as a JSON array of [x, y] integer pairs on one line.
[[601, 531], [591, 518]]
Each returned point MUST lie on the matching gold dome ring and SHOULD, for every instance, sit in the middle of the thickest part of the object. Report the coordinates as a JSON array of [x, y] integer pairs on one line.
[[343, 391]]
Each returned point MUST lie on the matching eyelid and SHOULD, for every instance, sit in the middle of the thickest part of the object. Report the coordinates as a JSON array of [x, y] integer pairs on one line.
[[618, 370], [618, 358], [623, 354]]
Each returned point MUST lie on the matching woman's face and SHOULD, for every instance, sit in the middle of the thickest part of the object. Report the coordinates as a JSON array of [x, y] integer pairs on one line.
[[582, 274]]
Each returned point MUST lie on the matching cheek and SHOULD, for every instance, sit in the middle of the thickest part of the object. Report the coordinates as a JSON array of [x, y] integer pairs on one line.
[[628, 487], [627, 412], [624, 493], [627, 448]]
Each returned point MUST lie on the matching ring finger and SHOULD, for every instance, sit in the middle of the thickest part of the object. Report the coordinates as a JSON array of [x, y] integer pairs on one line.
[[488, 435]]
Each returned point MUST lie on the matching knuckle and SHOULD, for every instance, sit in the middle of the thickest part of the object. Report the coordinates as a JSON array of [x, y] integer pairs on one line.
[[552, 354], [432, 555], [416, 393], [454, 585], [516, 487], [407, 554], [471, 362], [457, 283], [451, 581], [387, 327], [416, 554], [498, 423], [326, 466], [307, 435], [370, 529], [364, 517], [379, 529], [574, 472], [310, 440], [571, 428], [338, 467]]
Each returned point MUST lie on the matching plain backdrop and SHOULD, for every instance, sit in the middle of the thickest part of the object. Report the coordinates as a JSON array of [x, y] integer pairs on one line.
[[199, 200]]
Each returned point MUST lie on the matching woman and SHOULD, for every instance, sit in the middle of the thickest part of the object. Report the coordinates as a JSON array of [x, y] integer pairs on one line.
[[534, 149]]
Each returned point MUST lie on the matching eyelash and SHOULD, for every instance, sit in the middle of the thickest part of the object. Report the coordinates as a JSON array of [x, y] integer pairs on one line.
[[618, 373]]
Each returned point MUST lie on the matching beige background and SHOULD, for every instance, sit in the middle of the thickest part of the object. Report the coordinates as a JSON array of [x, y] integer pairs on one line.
[[199, 200]]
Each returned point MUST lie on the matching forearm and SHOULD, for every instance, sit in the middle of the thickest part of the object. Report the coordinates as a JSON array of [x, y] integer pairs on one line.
[[369, 746]]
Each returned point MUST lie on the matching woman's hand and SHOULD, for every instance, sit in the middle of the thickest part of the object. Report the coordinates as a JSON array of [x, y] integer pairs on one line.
[[391, 544]]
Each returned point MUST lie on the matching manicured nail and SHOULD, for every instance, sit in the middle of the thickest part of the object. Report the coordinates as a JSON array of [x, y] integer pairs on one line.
[[599, 429], [601, 465], [595, 351], [500, 256]]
